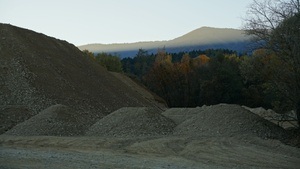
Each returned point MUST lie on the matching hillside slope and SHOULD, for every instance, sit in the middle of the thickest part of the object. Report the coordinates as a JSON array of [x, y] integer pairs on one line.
[[38, 71], [208, 35], [202, 38]]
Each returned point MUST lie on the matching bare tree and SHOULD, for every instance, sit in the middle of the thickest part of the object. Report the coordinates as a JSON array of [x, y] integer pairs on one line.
[[275, 25], [264, 16]]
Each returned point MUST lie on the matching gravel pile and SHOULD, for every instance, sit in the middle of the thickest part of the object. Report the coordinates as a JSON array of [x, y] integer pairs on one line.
[[218, 120], [285, 120], [179, 115], [132, 121], [57, 120], [37, 71], [228, 120], [11, 115]]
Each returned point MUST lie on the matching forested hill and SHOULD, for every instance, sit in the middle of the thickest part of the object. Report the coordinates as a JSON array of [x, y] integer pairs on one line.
[[199, 39]]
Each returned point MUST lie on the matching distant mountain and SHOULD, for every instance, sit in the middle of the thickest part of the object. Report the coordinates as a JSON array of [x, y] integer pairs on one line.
[[199, 39]]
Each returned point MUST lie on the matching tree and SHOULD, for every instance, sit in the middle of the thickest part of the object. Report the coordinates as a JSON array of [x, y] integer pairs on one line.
[[160, 78], [110, 62], [264, 16], [138, 66], [275, 25], [223, 83], [89, 54], [256, 71], [201, 60], [142, 63], [162, 57]]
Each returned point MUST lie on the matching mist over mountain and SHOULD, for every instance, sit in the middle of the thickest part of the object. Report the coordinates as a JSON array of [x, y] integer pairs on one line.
[[199, 39]]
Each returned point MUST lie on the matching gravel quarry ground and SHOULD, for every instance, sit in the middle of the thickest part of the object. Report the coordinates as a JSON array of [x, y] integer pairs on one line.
[[200, 137], [167, 152]]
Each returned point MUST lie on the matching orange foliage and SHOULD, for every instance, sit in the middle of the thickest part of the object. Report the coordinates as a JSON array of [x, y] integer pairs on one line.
[[184, 66], [163, 58], [200, 60]]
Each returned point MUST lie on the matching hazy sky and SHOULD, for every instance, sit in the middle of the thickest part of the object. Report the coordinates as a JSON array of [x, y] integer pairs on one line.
[[118, 21]]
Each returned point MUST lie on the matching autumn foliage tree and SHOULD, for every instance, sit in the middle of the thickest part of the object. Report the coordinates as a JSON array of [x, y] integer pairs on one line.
[[195, 81], [159, 78], [209, 77]]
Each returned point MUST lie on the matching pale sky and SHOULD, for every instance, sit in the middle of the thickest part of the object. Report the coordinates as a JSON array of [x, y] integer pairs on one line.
[[121, 21]]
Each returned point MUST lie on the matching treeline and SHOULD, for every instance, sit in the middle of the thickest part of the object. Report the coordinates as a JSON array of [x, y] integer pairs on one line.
[[209, 77], [191, 79], [141, 64], [196, 78]]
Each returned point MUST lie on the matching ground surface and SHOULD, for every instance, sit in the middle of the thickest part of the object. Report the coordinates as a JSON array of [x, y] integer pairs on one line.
[[219, 136], [167, 152]]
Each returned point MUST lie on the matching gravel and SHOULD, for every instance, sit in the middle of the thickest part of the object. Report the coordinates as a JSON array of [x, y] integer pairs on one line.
[[38, 71], [132, 121], [58, 120], [228, 120], [11, 115], [179, 115]]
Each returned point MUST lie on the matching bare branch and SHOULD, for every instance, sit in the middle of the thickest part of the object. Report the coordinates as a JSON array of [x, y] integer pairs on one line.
[[276, 23]]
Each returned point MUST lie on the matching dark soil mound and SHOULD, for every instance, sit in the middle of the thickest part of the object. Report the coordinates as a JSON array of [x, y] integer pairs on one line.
[[129, 122], [58, 120], [38, 71], [228, 120]]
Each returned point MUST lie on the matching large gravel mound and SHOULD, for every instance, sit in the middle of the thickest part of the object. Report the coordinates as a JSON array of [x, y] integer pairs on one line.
[[131, 121], [37, 71], [58, 120], [228, 120], [11, 115]]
